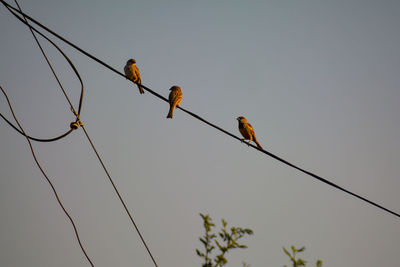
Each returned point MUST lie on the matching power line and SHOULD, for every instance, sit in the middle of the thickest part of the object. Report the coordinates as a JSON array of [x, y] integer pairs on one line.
[[120, 197], [48, 180], [51, 67], [22, 131], [34, 138], [198, 117], [79, 123], [58, 81]]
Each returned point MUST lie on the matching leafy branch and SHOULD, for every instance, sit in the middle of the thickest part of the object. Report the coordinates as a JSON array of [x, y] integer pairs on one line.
[[225, 241], [298, 262]]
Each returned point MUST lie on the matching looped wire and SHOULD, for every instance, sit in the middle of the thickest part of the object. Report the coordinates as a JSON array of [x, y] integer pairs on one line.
[[32, 29]]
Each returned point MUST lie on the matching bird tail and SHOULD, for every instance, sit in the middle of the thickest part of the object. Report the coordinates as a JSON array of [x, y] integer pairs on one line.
[[258, 144], [170, 113], [140, 89]]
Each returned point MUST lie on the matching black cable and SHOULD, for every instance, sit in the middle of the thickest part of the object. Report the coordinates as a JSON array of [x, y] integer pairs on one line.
[[9, 7], [119, 196], [58, 81], [51, 67], [48, 179], [203, 120], [81, 124], [33, 138]]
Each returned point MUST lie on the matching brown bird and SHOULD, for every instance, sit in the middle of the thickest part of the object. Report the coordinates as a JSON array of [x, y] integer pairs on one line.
[[247, 131], [175, 99], [133, 74]]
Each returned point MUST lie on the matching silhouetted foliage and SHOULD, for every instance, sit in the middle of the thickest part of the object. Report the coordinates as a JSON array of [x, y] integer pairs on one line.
[[299, 262], [224, 241]]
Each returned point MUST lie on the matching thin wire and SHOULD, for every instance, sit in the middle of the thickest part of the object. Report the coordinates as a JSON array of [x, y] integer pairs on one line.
[[48, 180], [119, 196], [51, 67], [34, 138], [9, 7], [203, 120], [58, 81], [87, 135]]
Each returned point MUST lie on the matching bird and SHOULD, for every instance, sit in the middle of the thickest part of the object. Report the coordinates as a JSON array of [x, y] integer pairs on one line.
[[175, 99], [133, 74], [247, 131]]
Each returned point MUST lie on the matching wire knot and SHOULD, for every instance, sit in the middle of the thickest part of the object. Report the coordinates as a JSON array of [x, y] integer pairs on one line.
[[75, 124]]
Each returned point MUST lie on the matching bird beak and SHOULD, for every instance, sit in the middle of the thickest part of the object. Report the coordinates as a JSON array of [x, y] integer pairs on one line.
[[237, 118]]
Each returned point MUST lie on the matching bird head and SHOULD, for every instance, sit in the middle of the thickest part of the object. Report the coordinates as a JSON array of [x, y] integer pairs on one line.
[[175, 87], [131, 61], [241, 119]]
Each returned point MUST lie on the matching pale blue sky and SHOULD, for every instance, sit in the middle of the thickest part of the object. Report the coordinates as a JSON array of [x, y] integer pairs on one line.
[[318, 80]]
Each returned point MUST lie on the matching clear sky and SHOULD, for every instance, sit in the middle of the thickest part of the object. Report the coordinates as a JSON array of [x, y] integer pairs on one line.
[[318, 80]]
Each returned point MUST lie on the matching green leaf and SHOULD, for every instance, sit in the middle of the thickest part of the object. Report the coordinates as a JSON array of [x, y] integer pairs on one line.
[[224, 223], [286, 252], [199, 253], [319, 263], [203, 241], [219, 246], [248, 231], [301, 262], [221, 260], [301, 249], [233, 230]]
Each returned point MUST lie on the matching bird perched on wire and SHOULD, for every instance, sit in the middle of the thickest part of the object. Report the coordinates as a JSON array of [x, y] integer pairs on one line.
[[133, 74], [175, 99], [247, 131]]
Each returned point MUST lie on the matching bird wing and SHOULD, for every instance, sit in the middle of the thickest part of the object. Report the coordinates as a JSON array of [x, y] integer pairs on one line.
[[244, 130], [173, 96], [128, 72], [179, 97], [137, 74], [249, 129]]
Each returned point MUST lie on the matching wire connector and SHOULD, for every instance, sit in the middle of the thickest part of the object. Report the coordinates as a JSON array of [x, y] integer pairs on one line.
[[75, 124]]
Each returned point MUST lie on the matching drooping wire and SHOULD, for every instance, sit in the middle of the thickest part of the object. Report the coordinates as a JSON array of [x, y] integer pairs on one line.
[[48, 179], [34, 138], [81, 124], [58, 81], [200, 118]]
